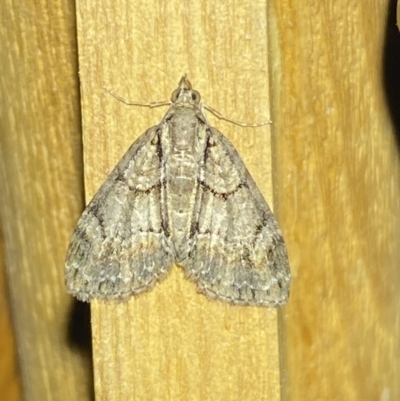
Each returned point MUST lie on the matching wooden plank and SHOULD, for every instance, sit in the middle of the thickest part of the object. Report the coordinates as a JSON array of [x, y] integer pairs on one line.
[[40, 190], [10, 380], [173, 343], [338, 176], [398, 14]]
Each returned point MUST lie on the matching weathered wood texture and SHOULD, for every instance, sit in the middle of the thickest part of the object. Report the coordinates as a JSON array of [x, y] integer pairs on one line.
[[336, 169], [10, 380], [339, 197], [173, 343], [40, 190]]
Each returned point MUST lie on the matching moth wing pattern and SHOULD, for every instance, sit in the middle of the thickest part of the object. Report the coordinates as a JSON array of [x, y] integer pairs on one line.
[[115, 251], [237, 254], [180, 194]]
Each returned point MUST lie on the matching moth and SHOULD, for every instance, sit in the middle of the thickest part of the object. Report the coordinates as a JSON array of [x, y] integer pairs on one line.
[[181, 194]]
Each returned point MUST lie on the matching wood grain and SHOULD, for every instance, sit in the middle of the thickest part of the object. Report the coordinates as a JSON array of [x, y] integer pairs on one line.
[[10, 380], [338, 176], [337, 173], [173, 343], [398, 14], [40, 190]]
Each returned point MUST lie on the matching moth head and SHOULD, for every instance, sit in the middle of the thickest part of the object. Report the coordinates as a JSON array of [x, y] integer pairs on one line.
[[185, 93]]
